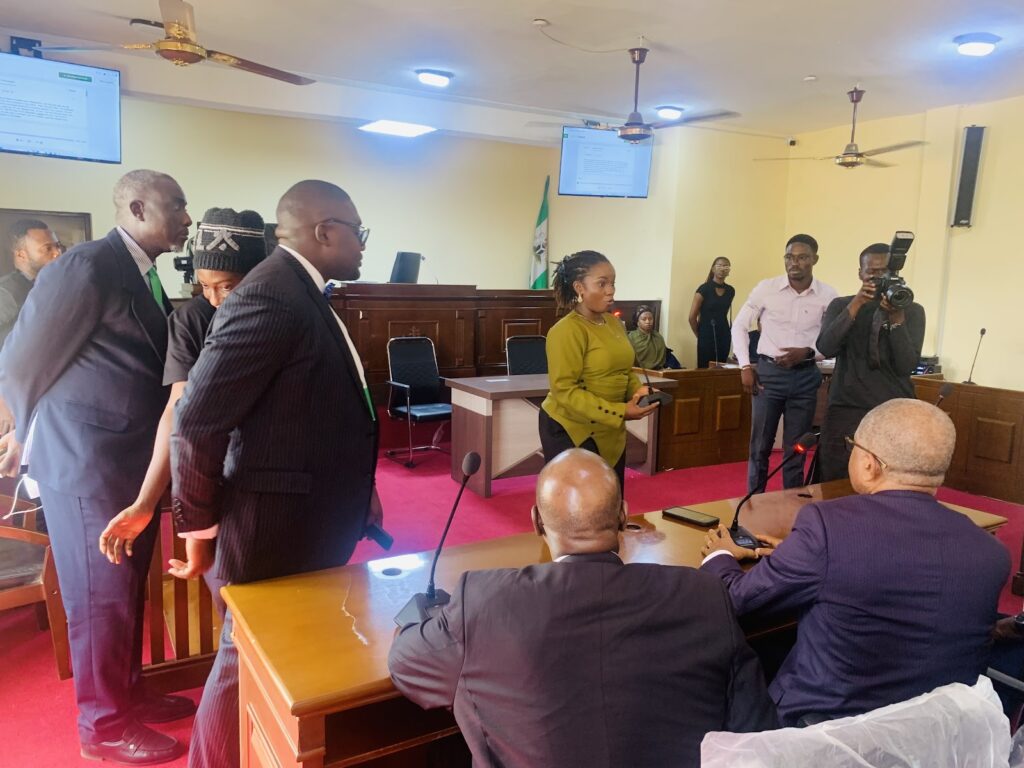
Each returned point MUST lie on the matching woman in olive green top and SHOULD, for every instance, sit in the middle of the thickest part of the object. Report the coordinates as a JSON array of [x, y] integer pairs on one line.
[[590, 366]]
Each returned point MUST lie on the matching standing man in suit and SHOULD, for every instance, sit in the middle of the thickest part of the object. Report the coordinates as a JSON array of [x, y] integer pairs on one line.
[[85, 360], [584, 660], [784, 378], [274, 447], [896, 593]]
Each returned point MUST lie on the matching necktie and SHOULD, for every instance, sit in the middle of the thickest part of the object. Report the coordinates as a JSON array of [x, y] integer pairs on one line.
[[155, 287]]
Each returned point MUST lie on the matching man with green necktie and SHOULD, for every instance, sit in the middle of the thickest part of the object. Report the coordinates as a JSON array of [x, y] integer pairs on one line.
[[85, 362]]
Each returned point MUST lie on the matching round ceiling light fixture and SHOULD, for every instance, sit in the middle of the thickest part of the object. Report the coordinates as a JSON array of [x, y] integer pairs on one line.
[[435, 78], [668, 112], [976, 43]]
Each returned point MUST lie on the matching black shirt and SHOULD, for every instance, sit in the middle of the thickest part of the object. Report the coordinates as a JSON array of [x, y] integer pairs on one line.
[[187, 327], [857, 382], [715, 307], [14, 288]]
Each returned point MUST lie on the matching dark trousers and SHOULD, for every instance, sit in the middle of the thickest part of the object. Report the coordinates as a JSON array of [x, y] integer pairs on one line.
[[833, 455], [215, 732], [104, 606], [790, 394], [554, 439]]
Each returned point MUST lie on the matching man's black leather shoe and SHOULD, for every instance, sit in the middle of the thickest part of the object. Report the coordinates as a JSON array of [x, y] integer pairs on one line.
[[138, 746], [164, 709]]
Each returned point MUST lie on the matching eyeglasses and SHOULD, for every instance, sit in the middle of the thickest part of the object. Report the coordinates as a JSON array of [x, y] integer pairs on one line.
[[363, 233], [798, 257], [851, 444]]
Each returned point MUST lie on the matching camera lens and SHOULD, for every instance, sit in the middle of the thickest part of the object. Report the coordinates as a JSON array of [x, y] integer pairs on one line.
[[900, 296]]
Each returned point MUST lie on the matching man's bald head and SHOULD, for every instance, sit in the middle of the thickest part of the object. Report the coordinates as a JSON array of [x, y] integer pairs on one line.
[[579, 503], [319, 220], [914, 439]]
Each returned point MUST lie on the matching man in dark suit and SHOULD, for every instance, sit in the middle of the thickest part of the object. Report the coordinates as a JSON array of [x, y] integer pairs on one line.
[[584, 660], [85, 360], [274, 446], [896, 593]]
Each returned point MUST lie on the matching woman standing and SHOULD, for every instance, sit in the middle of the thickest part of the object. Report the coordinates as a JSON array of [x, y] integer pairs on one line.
[[590, 367], [709, 314]]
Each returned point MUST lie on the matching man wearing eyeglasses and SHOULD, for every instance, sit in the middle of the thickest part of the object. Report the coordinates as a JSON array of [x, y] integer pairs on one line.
[[274, 447], [784, 378], [896, 594]]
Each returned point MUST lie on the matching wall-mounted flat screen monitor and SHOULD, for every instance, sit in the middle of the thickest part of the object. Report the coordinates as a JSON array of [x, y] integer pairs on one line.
[[597, 163], [54, 109]]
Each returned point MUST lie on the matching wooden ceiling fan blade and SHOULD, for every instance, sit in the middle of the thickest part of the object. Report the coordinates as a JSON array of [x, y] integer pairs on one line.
[[178, 19], [767, 159], [700, 117], [145, 22], [258, 69], [73, 48], [893, 148]]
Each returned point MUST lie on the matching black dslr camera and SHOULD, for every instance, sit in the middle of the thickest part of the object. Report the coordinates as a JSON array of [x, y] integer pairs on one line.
[[185, 263], [892, 287]]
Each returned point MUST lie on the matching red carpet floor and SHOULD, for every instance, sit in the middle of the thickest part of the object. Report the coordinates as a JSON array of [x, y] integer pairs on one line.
[[37, 729]]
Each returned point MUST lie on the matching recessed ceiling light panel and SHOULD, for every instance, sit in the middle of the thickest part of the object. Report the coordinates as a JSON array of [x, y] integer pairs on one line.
[[668, 112], [397, 128], [435, 78], [976, 43]]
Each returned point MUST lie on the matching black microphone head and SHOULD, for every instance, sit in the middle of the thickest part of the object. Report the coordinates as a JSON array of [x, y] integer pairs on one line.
[[807, 441], [470, 463], [982, 332], [946, 390]]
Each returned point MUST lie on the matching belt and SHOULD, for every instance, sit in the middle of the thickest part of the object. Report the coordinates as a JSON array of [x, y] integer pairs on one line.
[[804, 364]]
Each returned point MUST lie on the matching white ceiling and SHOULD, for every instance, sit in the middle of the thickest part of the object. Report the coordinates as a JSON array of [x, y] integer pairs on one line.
[[745, 55]]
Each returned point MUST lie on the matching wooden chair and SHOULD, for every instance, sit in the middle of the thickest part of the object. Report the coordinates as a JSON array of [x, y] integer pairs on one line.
[[28, 576]]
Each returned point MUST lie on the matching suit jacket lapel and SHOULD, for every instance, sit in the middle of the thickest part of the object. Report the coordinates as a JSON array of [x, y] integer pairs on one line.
[[323, 307], [144, 308]]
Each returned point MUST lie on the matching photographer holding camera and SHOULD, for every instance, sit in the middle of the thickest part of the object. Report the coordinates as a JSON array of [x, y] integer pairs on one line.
[[876, 337]]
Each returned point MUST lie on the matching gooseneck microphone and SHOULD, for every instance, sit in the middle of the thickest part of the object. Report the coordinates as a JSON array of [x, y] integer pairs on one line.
[[416, 610], [714, 335], [970, 376], [944, 391], [740, 535]]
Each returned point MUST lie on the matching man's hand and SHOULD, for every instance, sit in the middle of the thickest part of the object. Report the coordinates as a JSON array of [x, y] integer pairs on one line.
[[865, 295], [122, 531], [10, 456], [375, 512], [1005, 630], [793, 356], [6, 418], [896, 316], [200, 557], [719, 538], [636, 411], [751, 383]]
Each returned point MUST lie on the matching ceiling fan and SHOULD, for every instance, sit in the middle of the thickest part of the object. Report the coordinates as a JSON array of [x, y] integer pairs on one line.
[[181, 48], [852, 157]]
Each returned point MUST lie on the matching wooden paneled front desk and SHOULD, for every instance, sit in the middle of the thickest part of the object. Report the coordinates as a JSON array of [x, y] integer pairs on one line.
[[313, 648], [496, 416]]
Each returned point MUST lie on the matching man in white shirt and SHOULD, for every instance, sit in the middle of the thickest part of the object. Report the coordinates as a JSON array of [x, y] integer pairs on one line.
[[784, 379]]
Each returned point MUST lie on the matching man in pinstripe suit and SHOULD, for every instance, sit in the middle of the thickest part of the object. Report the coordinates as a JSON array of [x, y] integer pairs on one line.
[[275, 437]]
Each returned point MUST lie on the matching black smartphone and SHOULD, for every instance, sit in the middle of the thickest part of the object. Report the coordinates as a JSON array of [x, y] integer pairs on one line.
[[684, 515]]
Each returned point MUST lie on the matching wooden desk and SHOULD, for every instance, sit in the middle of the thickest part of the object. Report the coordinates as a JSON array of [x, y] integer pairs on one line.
[[496, 416], [314, 684]]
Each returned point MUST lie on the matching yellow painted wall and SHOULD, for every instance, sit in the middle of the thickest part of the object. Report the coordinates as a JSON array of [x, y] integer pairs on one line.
[[468, 205], [965, 278]]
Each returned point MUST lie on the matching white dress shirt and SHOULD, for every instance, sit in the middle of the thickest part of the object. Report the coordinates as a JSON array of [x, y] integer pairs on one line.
[[787, 318], [142, 260]]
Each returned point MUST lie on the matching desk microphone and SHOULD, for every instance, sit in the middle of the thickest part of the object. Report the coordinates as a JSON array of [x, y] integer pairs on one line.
[[653, 396], [714, 335], [416, 610], [944, 391], [740, 535], [981, 335]]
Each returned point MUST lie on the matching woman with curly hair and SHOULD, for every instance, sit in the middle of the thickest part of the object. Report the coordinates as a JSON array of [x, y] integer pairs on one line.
[[593, 390]]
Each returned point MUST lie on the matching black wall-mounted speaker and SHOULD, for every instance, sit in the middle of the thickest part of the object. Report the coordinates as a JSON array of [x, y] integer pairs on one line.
[[970, 160]]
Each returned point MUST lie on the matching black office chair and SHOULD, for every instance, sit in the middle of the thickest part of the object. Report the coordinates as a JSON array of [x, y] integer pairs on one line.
[[525, 355], [416, 390]]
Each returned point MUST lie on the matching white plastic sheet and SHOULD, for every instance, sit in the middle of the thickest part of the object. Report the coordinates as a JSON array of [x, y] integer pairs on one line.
[[955, 726]]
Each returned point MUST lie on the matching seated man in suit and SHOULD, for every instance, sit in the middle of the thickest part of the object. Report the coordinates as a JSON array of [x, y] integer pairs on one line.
[[896, 593], [584, 660]]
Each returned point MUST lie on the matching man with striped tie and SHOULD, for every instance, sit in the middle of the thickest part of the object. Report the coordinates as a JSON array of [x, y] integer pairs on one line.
[[85, 361], [274, 447]]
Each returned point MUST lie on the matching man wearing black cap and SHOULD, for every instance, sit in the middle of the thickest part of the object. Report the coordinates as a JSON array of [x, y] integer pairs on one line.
[[274, 447], [227, 245]]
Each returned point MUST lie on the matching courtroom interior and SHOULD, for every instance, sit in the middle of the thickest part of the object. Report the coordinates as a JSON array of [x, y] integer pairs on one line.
[[531, 384]]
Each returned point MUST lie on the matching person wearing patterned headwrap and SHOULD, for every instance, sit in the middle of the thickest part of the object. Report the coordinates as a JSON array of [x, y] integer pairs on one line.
[[226, 246]]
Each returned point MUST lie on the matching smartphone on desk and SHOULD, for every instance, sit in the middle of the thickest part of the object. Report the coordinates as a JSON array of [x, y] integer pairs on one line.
[[684, 515]]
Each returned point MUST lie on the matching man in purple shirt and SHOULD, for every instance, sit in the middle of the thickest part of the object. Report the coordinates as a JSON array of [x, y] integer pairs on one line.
[[784, 379]]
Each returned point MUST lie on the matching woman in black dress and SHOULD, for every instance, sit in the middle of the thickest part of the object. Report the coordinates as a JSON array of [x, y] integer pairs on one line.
[[709, 314]]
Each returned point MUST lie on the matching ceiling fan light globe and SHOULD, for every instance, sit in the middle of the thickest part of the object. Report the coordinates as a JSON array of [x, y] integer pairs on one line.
[[634, 133]]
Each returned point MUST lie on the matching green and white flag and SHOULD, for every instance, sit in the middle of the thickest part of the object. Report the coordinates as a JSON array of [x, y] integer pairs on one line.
[[539, 264]]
